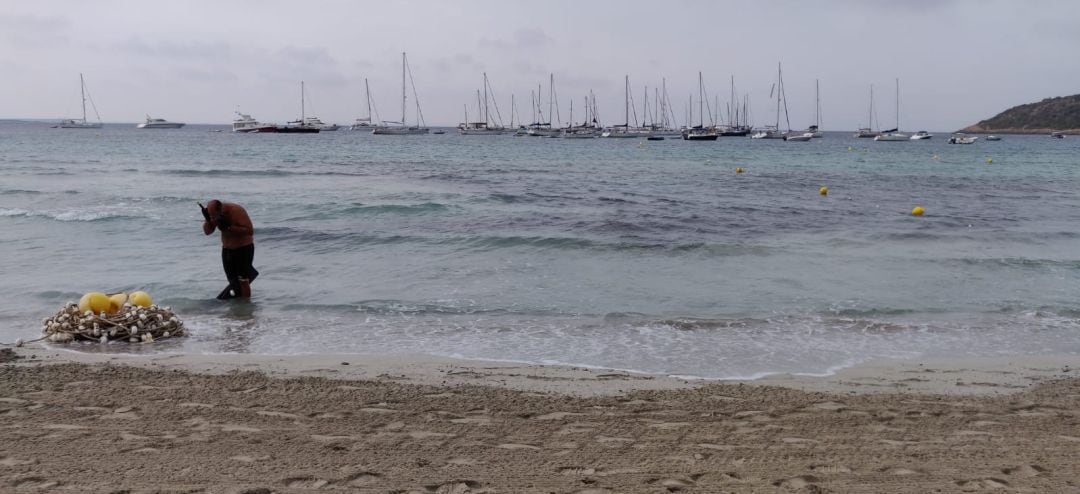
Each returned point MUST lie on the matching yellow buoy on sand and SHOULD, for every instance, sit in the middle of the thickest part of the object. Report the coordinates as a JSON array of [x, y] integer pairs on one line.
[[95, 302], [824, 191], [917, 211], [141, 298], [117, 301]]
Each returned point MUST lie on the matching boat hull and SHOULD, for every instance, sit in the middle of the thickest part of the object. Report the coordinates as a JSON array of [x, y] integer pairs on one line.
[[400, 131], [170, 125], [892, 138], [285, 129]]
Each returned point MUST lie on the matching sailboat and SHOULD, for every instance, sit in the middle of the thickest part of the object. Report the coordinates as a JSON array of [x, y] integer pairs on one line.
[[773, 131], [700, 132], [302, 125], [546, 129], [623, 130], [815, 130], [484, 127], [868, 131], [894, 135], [588, 128], [365, 122], [402, 128], [738, 117], [75, 123]]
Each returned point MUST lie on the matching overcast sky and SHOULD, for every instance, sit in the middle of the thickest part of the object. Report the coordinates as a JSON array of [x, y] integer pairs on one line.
[[199, 61]]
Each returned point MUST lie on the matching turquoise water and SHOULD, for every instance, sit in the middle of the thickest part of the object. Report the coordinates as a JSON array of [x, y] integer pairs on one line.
[[650, 256]]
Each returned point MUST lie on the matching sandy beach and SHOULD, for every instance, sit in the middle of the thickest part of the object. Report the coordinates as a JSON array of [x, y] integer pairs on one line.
[[78, 422]]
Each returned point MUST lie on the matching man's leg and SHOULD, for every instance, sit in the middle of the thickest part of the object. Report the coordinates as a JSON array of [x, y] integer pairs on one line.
[[228, 262]]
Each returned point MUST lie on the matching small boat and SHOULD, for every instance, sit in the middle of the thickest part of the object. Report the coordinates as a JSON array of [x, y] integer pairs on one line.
[[921, 135], [962, 139], [158, 123], [325, 127], [769, 132], [700, 133], [244, 123], [76, 123], [993, 138], [654, 138], [438, 132], [1057, 135], [804, 137]]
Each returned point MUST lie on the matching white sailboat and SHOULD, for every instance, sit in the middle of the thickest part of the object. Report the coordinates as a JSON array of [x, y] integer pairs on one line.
[[868, 131], [401, 128], [894, 135], [700, 132], [773, 131], [815, 130], [546, 129], [365, 123], [485, 127], [624, 130], [76, 123]]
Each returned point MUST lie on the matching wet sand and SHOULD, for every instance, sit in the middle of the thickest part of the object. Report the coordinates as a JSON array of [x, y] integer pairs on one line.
[[76, 422]]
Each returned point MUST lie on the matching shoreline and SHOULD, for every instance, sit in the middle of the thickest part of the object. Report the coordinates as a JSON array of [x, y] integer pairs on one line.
[[420, 425], [956, 376], [976, 375]]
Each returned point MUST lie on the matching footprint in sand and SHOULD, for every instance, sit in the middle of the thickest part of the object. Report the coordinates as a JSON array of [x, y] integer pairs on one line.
[[238, 428], [270, 413], [556, 415], [196, 405], [980, 484], [34, 483], [462, 462], [249, 459], [11, 461], [457, 487], [673, 485], [361, 479], [305, 482], [900, 471], [577, 471], [64, 427], [475, 420], [829, 469], [796, 483], [514, 446], [1024, 471]]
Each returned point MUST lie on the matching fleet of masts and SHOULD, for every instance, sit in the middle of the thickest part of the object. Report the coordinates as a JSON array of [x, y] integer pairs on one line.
[[657, 121]]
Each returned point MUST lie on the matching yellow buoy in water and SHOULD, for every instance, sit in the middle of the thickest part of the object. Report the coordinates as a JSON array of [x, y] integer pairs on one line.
[[936, 157], [739, 169], [116, 302], [989, 160], [849, 148], [824, 191], [142, 299], [917, 211], [95, 302]]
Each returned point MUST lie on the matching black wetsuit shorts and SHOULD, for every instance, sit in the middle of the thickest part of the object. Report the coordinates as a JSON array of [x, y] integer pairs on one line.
[[237, 263]]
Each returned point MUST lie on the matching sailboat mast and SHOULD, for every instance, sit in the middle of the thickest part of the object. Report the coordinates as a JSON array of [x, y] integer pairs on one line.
[[485, 99], [897, 104], [367, 93], [626, 101], [701, 100], [551, 97], [817, 99], [870, 118], [403, 89], [82, 90], [301, 102]]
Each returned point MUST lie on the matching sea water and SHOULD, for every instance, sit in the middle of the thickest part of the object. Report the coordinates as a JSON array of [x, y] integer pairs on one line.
[[653, 256]]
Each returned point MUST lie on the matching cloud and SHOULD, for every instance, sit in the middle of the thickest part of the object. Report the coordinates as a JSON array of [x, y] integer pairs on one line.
[[30, 30], [177, 51], [532, 38]]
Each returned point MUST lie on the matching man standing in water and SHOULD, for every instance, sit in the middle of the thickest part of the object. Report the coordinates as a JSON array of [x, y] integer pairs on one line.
[[237, 245]]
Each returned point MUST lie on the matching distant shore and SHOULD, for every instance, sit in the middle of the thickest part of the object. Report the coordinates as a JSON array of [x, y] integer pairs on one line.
[[338, 423], [975, 129]]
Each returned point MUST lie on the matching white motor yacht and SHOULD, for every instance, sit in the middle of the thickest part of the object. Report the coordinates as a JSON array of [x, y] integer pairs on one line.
[[921, 135], [158, 123], [804, 137], [993, 138], [962, 139], [245, 123]]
